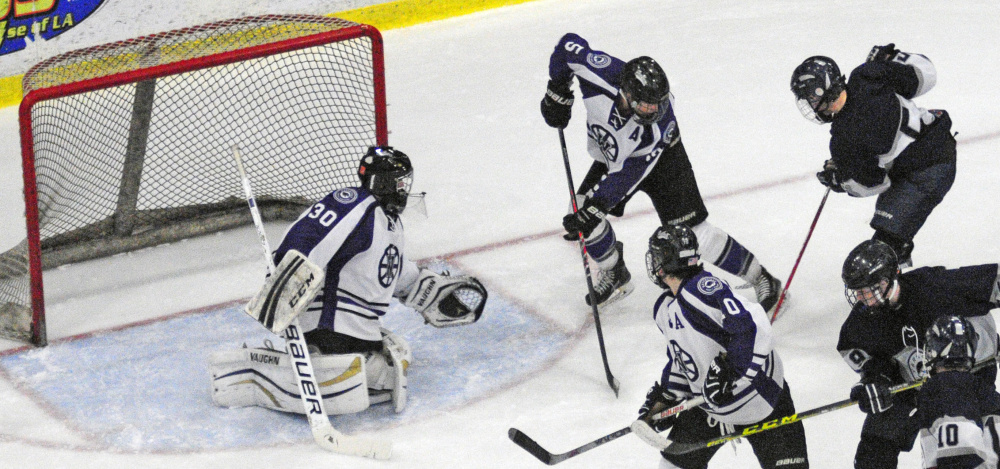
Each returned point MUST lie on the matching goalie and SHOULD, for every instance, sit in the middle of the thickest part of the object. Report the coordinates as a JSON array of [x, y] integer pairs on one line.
[[338, 267]]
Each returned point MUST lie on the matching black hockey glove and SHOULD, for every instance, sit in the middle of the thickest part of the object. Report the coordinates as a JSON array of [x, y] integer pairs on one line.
[[585, 219], [882, 53], [873, 398], [658, 400], [557, 105], [720, 382], [828, 177]]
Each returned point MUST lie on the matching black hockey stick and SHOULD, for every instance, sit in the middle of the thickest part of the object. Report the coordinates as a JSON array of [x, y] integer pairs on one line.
[[543, 455], [672, 447], [795, 267], [612, 381]]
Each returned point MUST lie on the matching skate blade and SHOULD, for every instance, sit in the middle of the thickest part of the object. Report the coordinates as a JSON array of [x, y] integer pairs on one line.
[[619, 293]]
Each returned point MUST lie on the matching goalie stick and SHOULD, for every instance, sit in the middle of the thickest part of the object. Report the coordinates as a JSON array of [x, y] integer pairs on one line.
[[323, 432], [612, 381], [543, 455], [672, 447]]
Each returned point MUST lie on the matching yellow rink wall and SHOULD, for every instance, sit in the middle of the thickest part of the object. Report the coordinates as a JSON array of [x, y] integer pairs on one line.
[[384, 16]]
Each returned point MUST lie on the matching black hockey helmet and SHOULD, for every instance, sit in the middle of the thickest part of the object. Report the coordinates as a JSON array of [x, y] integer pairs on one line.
[[869, 273], [673, 249], [817, 83], [951, 343], [646, 89], [388, 175]]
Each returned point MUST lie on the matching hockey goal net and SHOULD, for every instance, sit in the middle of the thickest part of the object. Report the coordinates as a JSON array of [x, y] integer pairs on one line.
[[129, 144]]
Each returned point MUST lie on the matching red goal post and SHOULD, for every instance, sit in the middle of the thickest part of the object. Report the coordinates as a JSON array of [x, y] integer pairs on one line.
[[128, 145]]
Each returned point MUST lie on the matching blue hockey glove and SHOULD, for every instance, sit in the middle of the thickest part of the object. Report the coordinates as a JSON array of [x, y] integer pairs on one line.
[[720, 382], [585, 219], [557, 105], [828, 177], [882, 53], [873, 398], [658, 400]]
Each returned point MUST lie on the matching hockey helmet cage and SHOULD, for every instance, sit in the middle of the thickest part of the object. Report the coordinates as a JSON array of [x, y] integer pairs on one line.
[[388, 175], [672, 249], [869, 272], [645, 88], [950, 343], [817, 83]]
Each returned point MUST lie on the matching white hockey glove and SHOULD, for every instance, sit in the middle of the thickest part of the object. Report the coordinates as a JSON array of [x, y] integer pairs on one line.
[[287, 292], [446, 300]]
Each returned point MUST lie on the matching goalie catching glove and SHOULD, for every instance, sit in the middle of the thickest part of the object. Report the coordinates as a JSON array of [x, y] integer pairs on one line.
[[445, 300]]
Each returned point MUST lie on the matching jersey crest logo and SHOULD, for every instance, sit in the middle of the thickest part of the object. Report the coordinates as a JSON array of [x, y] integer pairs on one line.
[[616, 120], [389, 266], [709, 285], [345, 196], [684, 361], [598, 60], [605, 141]]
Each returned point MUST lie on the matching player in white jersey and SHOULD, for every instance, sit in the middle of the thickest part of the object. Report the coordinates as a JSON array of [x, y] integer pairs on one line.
[[719, 345], [957, 414], [633, 138], [355, 235]]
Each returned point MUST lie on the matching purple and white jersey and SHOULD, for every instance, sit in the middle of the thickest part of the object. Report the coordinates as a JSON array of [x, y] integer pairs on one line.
[[706, 319], [629, 149], [362, 248]]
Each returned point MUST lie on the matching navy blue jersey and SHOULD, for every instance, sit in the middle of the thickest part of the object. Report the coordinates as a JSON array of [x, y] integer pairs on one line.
[[951, 407], [629, 150], [889, 342], [880, 132]]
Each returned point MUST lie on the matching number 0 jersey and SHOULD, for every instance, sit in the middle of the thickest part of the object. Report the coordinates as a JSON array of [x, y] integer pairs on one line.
[[362, 248], [706, 319]]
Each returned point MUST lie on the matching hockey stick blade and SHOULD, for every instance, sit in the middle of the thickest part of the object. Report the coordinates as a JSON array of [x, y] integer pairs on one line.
[[331, 440], [529, 445]]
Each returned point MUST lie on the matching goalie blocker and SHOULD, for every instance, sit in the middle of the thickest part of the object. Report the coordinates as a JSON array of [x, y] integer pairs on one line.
[[287, 292]]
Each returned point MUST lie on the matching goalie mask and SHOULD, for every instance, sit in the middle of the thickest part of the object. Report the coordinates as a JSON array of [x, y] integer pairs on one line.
[[951, 344], [388, 175], [869, 274], [673, 249]]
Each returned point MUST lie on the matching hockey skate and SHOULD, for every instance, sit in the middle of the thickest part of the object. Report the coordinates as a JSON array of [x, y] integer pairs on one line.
[[613, 284], [768, 289]]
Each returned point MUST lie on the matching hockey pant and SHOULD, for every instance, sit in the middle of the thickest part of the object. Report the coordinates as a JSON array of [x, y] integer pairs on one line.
[[885, 435], [904, 207], [782, 448], [672, 188]]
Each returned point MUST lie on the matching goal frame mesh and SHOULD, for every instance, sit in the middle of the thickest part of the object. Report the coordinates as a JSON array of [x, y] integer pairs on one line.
[[91, 69]]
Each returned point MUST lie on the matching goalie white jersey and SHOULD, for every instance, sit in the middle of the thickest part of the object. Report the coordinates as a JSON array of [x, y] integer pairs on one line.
[[706, 319], [361, 248]]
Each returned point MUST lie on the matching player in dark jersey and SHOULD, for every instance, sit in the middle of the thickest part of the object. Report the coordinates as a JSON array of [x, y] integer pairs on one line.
[[636, 146], [882, 338], [957, 431], [881, 142]]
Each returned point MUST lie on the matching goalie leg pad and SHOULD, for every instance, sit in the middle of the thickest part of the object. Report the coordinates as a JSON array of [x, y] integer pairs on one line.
[[446, 300], [287, 292], [388, 370], [264, 377]]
